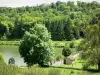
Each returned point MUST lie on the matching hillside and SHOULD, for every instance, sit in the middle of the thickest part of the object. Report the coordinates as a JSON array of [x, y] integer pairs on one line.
[[65, 21]]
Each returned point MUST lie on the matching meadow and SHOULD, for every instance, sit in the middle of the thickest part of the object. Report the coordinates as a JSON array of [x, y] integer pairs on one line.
[[36, 70]]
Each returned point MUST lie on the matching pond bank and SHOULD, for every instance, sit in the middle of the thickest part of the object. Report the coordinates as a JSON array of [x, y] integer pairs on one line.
[[17, 43]]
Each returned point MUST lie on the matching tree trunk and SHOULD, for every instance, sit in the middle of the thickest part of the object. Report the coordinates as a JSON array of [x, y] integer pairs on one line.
[[99, 66], [64, 61]]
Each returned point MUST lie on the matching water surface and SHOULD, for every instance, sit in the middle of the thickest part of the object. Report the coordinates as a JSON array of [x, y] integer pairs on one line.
[[11, 51]]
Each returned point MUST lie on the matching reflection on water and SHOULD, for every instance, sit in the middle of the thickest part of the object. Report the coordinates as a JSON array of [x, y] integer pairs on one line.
[[12, 51]]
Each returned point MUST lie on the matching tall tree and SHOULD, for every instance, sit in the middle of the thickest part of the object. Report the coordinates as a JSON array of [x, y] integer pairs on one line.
[[91, 46], [36, 47], [68, 30]]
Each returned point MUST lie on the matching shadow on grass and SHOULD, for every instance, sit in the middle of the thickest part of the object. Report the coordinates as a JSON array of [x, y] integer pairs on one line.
[[92, 70], [72, 68], [81, 62], [66, 68]]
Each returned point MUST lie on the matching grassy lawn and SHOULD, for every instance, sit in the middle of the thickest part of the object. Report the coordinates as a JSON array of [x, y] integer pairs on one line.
[[63, 43], [14, 70]]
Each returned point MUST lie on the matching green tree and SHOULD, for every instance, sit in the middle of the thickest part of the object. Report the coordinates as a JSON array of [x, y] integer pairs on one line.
[[53, 15], [68, 30], [36, 47], [66, 52], [91, 45]]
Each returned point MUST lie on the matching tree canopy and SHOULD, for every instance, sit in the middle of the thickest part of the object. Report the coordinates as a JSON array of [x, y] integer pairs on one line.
[[62, 19], [66, 52], [36, 47], [91, 45]]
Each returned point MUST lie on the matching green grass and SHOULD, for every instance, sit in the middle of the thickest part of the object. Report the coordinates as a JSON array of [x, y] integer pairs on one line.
[[9, 70], [76, 69], [14, 70], [63, 43], [76, 64]]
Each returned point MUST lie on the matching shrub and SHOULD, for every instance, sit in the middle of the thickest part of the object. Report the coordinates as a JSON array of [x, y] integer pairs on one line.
[[4, 38], [72, 45], [59, 57], [85, 66], [66, 52], [2, 59]]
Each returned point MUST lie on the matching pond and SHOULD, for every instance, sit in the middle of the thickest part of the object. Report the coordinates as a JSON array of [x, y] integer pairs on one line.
[[12, 51]]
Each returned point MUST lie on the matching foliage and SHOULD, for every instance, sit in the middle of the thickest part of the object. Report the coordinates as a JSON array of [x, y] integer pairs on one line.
[[91, 45], [64, 20], [85, 66], [68, 30], [2, 59], [72, 45], [36, 47], [66, 52], [59, 57], [2, 30]]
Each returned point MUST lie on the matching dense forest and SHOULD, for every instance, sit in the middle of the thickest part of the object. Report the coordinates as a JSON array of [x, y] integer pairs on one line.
[[64, 21]]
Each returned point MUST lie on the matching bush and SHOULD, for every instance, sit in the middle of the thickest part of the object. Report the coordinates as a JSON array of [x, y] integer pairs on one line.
[[72, 45], [66, 52], [59, 57], [4, 38], [2, 59], [85, 66]]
